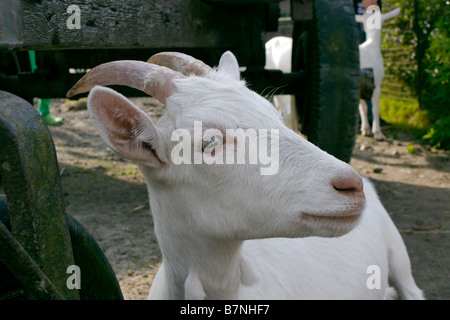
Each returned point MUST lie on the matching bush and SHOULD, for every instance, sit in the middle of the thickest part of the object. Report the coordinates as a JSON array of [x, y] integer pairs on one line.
[[436, 93], [427, 39], [439, 134], [405, 115]]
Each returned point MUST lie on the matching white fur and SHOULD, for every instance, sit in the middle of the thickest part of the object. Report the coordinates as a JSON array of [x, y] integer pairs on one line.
[[227, 232], [371, 57], [278, 57]]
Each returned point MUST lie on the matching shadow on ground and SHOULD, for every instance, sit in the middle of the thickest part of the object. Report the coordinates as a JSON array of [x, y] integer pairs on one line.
[[425, 229]]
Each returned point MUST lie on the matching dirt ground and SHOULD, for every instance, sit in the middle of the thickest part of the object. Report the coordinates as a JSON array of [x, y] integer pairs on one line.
[[108, 196]]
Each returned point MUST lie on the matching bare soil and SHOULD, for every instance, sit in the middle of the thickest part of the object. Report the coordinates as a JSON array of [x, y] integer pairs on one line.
[[107, 194]]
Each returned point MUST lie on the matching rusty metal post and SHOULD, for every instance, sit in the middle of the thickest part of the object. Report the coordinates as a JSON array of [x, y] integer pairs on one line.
[[29, 169]]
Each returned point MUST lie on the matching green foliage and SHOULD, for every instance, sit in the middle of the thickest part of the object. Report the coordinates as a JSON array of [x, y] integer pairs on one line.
[[436, 62], [416, 45], [399, 45], [411, 149], [408, 116], [405, 115], [439, 134]]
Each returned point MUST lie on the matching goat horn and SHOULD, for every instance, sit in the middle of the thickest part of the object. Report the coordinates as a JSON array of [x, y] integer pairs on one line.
[[150, 78], [180, 62]]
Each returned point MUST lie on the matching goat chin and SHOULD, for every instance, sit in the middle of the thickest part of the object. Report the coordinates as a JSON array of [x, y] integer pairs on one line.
[[229, 231], [331, 227]]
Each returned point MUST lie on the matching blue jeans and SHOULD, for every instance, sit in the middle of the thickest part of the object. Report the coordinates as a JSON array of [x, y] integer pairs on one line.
[[362, 38]]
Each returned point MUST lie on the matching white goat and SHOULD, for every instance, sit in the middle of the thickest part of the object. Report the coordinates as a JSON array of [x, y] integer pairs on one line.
[[370, 57], [226, 231], [278, 57]]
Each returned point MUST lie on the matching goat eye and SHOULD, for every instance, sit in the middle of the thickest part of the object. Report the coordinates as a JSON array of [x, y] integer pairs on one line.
[[211, 144]]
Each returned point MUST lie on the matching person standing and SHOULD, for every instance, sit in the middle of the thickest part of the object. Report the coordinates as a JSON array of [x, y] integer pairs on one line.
[[44, 104]]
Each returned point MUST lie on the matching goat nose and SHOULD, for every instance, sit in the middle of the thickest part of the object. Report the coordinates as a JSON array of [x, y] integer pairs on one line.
[[349, 186]]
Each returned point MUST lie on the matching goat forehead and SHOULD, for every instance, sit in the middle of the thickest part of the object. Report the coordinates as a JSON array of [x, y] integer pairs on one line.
[[229, 103]]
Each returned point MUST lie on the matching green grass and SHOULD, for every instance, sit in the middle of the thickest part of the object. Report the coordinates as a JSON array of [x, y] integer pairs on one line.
[[130, 172], [405, 115]]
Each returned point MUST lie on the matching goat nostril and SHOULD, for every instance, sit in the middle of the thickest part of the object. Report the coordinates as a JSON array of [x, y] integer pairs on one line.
[[349, 186]]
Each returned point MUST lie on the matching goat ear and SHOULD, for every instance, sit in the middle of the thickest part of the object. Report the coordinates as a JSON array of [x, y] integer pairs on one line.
[[229, 64], [125, 128]]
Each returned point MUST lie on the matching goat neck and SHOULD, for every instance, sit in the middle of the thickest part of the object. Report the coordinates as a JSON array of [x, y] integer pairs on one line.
[[197, 265]]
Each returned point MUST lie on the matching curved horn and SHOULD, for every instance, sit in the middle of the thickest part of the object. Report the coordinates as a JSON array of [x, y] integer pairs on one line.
[[180, 62], [149, 78]]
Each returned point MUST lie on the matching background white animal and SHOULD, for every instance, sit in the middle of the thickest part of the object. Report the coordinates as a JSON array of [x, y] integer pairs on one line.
[[278, 57], [371, 57], [227, 232]]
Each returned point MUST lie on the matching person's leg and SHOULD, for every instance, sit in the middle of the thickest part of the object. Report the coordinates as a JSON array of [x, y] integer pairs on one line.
[[361, 33], [43, 106], [369, 110], [32, 56]]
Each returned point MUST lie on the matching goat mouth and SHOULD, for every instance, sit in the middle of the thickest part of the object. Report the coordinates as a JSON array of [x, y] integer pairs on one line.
[[343, 218]]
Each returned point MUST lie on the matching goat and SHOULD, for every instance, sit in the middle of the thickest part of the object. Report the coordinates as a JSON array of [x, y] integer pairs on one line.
[[371, 57], [313, 230], [278, 57]]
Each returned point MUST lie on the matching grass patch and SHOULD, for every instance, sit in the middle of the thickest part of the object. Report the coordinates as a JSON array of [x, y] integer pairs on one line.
[[129, 172], [408, 116], [74, 105], [405, 115]]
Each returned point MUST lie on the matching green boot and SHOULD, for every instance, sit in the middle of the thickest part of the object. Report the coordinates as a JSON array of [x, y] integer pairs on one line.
[[43, 108], [44, 104]]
